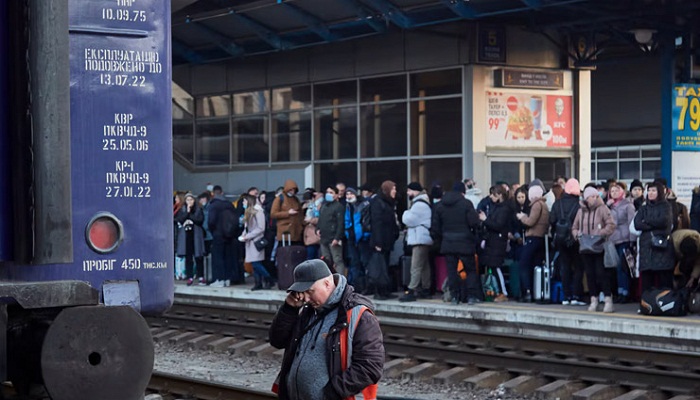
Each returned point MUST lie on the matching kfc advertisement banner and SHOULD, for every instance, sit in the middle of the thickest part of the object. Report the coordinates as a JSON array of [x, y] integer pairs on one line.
[[528, 120]]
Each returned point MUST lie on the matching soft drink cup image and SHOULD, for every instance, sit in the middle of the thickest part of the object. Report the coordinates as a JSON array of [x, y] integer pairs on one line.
[[536, 108]]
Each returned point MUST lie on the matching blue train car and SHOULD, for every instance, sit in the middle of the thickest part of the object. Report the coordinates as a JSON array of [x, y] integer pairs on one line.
[[86, 233]]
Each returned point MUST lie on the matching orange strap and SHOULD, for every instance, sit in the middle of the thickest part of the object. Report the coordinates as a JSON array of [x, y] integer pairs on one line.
[[346, 335]]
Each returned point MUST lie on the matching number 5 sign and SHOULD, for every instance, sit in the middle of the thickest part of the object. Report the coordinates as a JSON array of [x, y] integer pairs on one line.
[[686, 117]]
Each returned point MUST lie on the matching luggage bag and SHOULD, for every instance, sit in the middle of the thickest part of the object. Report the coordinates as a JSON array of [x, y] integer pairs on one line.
[[288, 257], [542, 280]]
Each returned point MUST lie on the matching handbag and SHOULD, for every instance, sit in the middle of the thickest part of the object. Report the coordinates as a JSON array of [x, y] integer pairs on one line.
[[659, 241], [591, 244], [377, 274], [631, 259], [311, 236], [261, 243], [611, 259]]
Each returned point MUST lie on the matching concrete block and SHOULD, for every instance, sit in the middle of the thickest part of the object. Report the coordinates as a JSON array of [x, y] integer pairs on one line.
[[487, 379], [420, 371], [598, 392], [278, 354], [220, 344], [199, 341], [562, 389], [639, 394], [165, 335], [395, 367], [454, 375], [241, 347], [261, 350], [153, 397], [156, 330], [178, 339], [683, 397], [524, 384]]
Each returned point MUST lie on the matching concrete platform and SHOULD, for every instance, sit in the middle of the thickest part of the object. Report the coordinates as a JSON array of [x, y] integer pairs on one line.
[[553, 321]]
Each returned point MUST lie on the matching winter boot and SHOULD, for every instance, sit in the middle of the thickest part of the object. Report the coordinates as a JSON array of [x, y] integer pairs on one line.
[[410, 295], [258, 283], [608, 305], [594, 304]]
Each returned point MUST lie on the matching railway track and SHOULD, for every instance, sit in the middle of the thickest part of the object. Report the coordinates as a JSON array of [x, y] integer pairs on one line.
[[197, 389], [420, 350]]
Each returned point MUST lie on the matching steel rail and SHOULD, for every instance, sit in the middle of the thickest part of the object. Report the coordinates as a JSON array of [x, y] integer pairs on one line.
[[162, 382], [671, 371]]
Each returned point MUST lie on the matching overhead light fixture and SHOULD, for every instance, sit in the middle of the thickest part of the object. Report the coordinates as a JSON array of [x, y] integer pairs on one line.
[[643, 36]]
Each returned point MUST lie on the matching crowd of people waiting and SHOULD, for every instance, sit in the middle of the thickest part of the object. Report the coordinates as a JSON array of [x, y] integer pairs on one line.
[[625, 240]]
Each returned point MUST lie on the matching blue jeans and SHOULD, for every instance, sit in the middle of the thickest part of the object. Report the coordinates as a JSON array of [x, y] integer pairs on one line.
[[623, 275], [259, 270]]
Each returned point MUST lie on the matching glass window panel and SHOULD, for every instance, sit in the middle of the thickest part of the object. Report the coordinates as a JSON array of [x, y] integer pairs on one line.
[[651, 153], [183, 133], [547, 169], [336, 93], [384, 88], [651, 169], [511, 172], [443, 171], [214, 106], [436, 126], [607, 155], [328, 174], [376, 172], [436, 83], [291, 98], [606, 170], [336, 133], [634, 154], [250, 139], [593, 171], [212, 147], [291, 136], [251, 102], [629, 170], [383, 130]]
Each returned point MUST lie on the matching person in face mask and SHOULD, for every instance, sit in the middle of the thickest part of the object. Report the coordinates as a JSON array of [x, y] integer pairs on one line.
[[331, 225], [286, 209]]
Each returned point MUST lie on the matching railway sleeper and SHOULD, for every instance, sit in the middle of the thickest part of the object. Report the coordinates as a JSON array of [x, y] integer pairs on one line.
[[487, 380], [599, 391]]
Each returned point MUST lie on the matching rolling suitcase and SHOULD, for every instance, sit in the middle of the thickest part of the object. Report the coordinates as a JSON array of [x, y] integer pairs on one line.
[[543, 278], [288, 257]]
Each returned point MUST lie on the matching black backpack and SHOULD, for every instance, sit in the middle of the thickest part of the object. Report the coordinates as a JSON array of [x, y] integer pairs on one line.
[[229, 223], [664, 302], [562, 228], [366, 218]]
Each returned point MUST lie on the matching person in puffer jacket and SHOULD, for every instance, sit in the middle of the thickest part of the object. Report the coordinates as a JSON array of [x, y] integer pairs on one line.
[[357, 240], [655, 218], [622, 211], [417, 220], [593, 218], [533, 248]]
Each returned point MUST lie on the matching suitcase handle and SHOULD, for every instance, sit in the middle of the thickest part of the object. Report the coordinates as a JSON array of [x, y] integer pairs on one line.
[[289, 239]]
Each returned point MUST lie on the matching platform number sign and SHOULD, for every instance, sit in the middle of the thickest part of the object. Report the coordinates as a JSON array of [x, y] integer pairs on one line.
[[686, 117]]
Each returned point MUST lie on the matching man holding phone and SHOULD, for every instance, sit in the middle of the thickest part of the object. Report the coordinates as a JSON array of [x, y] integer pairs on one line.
[[332, 340]]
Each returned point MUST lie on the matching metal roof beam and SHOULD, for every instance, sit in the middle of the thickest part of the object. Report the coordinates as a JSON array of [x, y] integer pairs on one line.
[[186, 52], [223, 42], [461, 8], [313, 22], [536, 4], [263, 32], [395, 14], [366, 15]]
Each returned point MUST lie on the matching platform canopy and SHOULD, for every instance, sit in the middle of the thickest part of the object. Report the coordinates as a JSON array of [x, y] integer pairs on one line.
[[214, 30]]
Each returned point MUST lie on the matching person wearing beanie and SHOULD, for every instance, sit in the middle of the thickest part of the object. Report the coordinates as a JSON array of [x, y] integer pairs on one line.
[[537, 223], [351, 190], [594, 219], [309, 324], [418, 219], [453, 224], [384, 231], [436, 193], [561, 219], [655, 221], [622, 211]]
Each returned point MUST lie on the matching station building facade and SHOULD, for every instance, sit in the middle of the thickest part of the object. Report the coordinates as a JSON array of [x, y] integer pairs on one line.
[[434, 105]]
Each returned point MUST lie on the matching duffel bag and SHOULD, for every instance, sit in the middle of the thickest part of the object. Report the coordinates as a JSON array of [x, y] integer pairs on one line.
[[664, 302]]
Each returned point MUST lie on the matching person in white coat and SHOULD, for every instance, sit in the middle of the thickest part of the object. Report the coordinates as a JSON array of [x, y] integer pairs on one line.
[[254, 218], [417, 219]]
